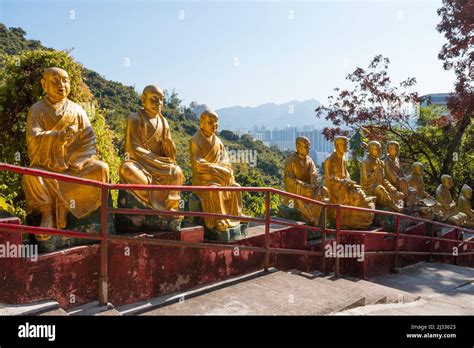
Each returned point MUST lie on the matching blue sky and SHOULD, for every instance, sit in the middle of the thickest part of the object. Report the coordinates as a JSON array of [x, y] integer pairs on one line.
[[247, 53]]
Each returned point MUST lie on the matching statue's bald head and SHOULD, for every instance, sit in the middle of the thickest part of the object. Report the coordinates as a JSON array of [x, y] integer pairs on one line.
[[417, 168], [466, 190], [208, 114], [374, 148], [303, 140], [54, 71], [303, 146], [446, 180], [208, 122], [153, 89], [55, 83], [341, 139], [152, 100]]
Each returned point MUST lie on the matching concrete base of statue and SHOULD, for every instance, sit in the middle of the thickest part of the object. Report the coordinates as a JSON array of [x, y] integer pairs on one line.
[[292, 214], [142, 223], [352, 219], [89, 224], [388, 222], [230, 235]]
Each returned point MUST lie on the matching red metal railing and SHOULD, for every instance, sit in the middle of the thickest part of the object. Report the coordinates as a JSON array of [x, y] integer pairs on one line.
[[104, 238]]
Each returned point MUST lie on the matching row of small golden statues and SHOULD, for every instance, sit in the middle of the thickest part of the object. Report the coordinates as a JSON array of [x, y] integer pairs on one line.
[[60, 139]]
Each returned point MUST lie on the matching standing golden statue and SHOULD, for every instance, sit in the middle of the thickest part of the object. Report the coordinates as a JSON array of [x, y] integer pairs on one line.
[[60, 139], [301, 178], [151, 153], [393, 170], [211, 167], [373, 181], [344, 191], [449, 210], [464, 205]]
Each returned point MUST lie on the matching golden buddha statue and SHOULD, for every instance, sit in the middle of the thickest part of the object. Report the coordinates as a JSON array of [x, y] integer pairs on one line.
[[427, 205], [464, 205], [344, 191], [301, 178], [374, 183], [60, 139], [393, 171], [448, 208], [415, 180], [211, 167], [151, 153]]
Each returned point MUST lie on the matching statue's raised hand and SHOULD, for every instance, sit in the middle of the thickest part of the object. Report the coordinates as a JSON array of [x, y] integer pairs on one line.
[[69, 132]]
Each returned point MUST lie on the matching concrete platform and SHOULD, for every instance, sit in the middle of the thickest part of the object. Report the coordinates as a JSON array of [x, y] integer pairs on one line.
[[282, 293], [443, 289]]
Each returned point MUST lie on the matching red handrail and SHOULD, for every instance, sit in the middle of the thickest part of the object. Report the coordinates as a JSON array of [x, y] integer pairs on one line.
[[104, 238]]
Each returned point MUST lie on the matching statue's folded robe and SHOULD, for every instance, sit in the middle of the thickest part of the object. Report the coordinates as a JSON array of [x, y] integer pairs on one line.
[[211, 166], [77, 157]]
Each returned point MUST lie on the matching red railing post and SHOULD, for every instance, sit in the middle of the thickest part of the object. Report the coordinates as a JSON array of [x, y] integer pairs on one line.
[[457, 246], [323, 239], [266, 263], [397, 241], [103, 278], [338, 239], [432, 243]]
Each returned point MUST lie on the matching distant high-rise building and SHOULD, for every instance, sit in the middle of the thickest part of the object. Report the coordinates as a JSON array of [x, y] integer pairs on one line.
[[284, 139]]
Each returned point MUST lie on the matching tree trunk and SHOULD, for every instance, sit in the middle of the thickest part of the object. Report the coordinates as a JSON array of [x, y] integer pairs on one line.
[[455, 142]]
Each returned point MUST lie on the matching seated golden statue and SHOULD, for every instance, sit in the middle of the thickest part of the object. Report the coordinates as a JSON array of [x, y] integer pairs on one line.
[[344, 191], [301, 178], [393, 171], [464, 205], [60, 139], [427, 205], [374, 183], [449, 210], [415, 180], [211, 167], [151, 153]]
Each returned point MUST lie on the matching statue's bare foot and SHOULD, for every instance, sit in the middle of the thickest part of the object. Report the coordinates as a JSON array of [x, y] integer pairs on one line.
[[221, 226], [47, 220], [396, 207]]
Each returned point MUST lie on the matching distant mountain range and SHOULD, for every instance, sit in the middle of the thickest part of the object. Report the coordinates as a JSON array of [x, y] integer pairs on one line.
[[295, 113]]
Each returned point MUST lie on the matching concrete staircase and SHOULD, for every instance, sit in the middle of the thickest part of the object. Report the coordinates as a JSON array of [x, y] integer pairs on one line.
[[442, 289], [424, 288], [284, 293]]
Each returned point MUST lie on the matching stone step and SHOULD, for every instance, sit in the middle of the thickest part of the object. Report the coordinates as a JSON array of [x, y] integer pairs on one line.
[[425, 279], [344, 286], [442, 289], [56, 312], [29, 309], [274, 293], [110, 312], [373, 292], [91, 308]]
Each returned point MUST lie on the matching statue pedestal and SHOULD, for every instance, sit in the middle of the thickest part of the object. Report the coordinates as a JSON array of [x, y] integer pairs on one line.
[[212, 235], [231, 235], [88, 224], [288, 213], [141, 223]]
